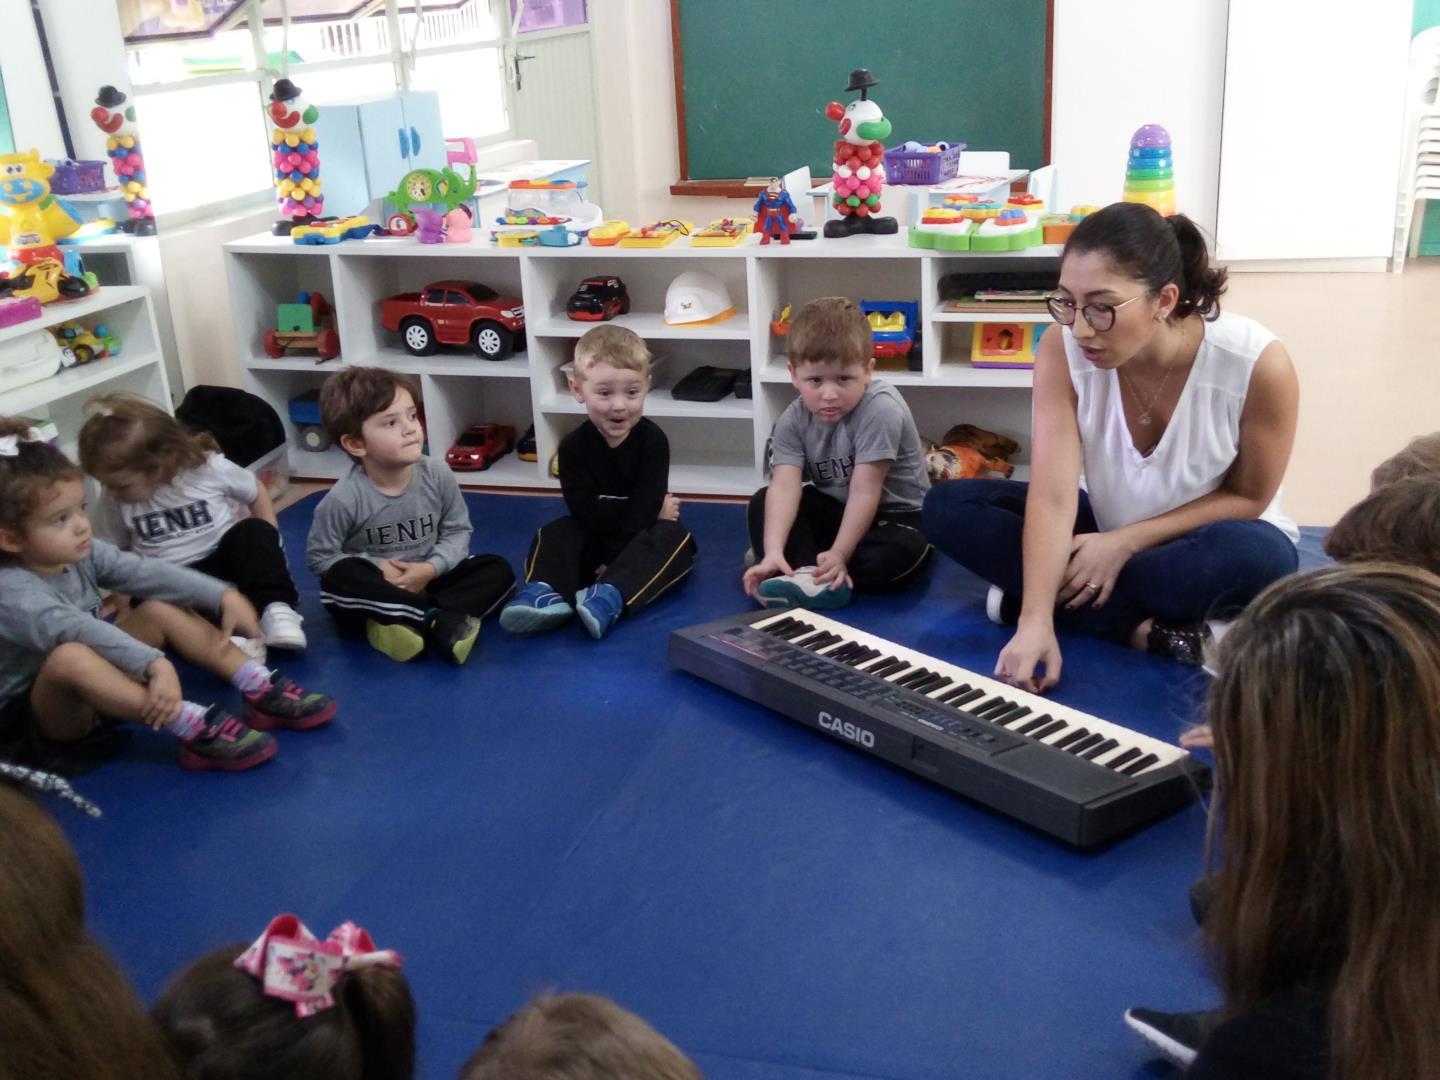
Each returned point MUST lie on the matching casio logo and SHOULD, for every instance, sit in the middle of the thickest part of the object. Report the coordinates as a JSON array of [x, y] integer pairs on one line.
[[846, 730]]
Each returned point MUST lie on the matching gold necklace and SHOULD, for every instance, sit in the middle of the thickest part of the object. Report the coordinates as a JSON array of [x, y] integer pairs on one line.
[[1148, 407]]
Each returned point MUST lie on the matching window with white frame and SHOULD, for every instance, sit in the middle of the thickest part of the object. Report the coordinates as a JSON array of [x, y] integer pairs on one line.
[[202, 71]]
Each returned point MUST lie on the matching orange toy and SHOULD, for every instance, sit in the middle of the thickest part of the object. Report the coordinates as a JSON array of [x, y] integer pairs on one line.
[[964, 463]]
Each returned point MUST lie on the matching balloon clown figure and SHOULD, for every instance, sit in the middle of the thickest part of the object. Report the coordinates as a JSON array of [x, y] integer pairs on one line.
[[296, 155], [122, 143], [774, 212], [31, 221], [859, 168]]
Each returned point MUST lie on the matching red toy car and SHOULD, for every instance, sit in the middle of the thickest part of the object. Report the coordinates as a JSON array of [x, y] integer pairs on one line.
[[598, 299], [480, 446], [456, 313]]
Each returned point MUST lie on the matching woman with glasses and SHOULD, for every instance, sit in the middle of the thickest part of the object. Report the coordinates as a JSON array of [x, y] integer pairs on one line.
[[1180, 419]]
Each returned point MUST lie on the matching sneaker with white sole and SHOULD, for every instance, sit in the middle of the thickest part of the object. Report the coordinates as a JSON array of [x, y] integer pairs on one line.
[[253, 647], [1001, 608], [599, 607], [535, 608], [1177, 1036], [280, 627], [801, 590]]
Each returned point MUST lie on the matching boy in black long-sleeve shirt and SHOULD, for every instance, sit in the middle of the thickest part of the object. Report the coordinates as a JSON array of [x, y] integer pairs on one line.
[[622, 544]]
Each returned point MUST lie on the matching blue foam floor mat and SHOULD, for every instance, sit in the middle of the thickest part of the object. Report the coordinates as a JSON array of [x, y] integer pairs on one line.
[[563, 814]]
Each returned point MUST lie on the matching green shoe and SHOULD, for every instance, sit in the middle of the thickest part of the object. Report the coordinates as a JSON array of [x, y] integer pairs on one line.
[[395, 640]]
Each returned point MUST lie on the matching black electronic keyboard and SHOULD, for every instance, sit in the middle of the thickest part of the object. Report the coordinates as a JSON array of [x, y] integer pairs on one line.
[[1072, 775]]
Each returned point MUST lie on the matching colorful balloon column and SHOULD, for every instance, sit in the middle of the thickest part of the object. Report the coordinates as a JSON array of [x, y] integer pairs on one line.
[[117, 120], [858, 171], [296, 155], [1150, 171]]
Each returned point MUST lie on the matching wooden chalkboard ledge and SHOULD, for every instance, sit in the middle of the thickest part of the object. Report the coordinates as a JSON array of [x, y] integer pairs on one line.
[[718, 189]]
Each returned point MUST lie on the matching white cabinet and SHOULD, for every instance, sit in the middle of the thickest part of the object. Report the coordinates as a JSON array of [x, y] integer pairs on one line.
[[716, 447], [139, 369]]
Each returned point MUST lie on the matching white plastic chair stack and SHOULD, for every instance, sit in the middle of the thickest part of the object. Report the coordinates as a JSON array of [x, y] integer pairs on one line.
[[1420, 156]]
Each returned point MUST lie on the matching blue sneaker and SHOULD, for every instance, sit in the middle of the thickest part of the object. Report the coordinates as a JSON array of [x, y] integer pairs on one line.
[[800, 590], [534, 609], [600, 607]]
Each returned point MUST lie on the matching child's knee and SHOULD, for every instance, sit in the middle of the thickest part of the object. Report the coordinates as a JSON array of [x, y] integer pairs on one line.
[[68, 663]]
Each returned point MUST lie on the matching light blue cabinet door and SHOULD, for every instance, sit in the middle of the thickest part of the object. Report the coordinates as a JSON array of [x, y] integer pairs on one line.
[[424, 134], [382, 127], [342, 160]]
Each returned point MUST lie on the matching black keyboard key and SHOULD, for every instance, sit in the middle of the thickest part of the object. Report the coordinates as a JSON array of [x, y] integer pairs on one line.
[[798, 628], [1079, 747], [1048, 730], [965, 699], [884, 664], [864, 656], [950, 695], [914, 678], [1099, 751], [939, 682], [1135, 766], [981, 709], [1010, 715], [1121, 759], [1035, 724], [780, 626], [1069, 737]]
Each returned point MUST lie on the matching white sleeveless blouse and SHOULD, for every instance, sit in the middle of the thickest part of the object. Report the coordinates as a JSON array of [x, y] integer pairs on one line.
[[1199, 445]]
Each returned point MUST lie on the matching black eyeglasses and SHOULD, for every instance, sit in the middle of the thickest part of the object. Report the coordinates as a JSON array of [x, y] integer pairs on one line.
[[1101, 317]]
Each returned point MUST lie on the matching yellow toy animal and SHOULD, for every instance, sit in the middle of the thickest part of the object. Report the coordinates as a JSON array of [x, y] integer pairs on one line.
[[31, 221]]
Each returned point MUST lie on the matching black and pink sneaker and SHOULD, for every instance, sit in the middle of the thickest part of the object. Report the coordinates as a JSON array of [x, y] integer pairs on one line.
[[287, 704], [225, 744]]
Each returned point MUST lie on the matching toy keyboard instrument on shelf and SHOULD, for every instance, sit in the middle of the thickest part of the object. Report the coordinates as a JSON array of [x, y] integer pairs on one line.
[[1079, 778]]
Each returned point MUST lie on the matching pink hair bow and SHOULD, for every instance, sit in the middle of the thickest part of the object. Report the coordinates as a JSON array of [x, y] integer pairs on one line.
[[292, 964]]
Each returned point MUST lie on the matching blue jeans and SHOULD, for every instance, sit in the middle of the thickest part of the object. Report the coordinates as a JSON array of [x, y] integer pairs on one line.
[[1210, 572]]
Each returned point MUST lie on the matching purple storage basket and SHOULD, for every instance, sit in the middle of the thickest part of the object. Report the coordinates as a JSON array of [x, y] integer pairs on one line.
[[909, 164], [77, 177]]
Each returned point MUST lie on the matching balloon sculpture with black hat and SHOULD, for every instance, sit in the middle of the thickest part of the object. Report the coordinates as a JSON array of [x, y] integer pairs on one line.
[[116, 118], [858, 173], [296, 154]]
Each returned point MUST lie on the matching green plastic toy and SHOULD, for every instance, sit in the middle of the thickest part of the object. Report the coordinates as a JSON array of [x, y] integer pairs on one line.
[[427, 188]]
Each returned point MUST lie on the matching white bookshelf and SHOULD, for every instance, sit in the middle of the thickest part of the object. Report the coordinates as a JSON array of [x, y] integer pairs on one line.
[[139, 369], [716, 447]]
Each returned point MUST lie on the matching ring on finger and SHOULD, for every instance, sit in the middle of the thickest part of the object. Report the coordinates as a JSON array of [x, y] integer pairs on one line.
[[1091, 585]]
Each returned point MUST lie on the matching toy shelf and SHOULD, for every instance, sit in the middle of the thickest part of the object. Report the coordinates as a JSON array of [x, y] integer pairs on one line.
[[940, 316], [659, 402], [83, 310], [126, 312], [649, 325], [717, 448], [88, 379]]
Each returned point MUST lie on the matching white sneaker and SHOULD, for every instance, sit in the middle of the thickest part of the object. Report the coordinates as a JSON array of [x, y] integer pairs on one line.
[[280, 626], [254, 648]]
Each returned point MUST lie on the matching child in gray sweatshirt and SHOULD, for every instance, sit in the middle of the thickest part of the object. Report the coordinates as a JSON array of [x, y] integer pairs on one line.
[[63, 668], [391, 541]]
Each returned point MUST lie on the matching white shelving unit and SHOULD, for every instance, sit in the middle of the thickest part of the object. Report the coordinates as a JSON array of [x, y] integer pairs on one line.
[[139, 369], [716, 447]]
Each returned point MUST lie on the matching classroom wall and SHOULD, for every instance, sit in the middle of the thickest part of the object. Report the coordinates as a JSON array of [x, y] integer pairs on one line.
[[1118, 66]]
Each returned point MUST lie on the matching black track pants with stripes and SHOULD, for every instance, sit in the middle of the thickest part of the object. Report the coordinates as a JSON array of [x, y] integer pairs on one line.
[[641, 565], [890, 555], [354, 590]]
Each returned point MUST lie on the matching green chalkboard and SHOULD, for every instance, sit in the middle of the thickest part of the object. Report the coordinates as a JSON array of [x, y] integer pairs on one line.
[[756, 76]]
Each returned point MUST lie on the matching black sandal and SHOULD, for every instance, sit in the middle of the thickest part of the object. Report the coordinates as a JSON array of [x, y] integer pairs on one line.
[[1184, 644]]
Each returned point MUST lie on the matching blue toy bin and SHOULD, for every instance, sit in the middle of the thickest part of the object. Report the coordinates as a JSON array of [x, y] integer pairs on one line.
[[916, 163]]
